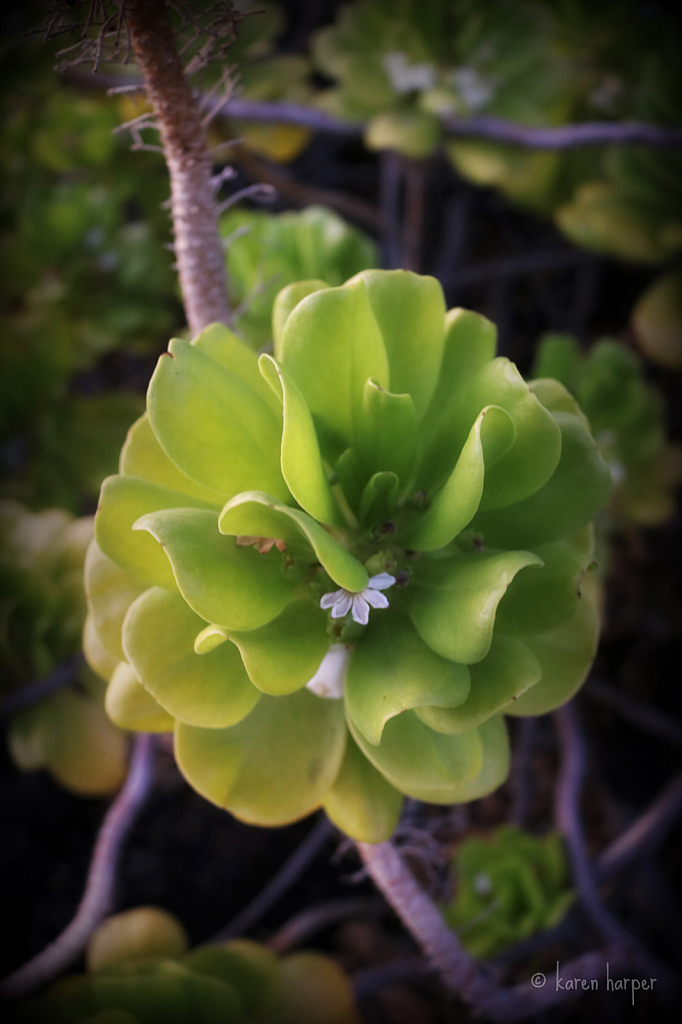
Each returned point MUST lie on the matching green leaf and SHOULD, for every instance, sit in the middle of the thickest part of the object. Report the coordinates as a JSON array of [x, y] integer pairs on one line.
[[387, 432], [469, 343], [70, 735], [131, 706], [251, 967], [331, 345], [392, 670], [361, 802], [577, 490], [452, 602], [98, 657], [230, 352], [302, 466], [275, 766], [536, 450], [565, 655], [378, 500], [123, 500], [284, 655], [209, 690], [456, 503], [410, 311], [421, 763], [227, 585], [212, 425], [110, 592], [255, 513], [542, 600], [508, 670], [142, 456], [286, 301]]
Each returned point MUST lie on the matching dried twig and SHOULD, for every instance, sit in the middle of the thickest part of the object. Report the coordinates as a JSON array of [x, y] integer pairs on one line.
[[289, 873], [567, 812], [321, 915], [645, 832], [98, 895], [636, 712], [32, 692]]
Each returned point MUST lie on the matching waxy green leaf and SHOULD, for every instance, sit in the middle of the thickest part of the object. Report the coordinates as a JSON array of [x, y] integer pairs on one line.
[[284, 655], [565, 655], [234, 587], [302, 466], [230, 352], [508, 670], [212, 425], [541, 600], [96, 654], [378, 499], [110, 592], [387, 432], [210, 690], [421, 763], [452, 601], [255, 513], [273, 767], [142, 456], [392, 670], [123, 500], [131, 706], [576, 491], [331, 345], [410, 312], [361, 802], [286, 301], [469, 343], [456, 503]]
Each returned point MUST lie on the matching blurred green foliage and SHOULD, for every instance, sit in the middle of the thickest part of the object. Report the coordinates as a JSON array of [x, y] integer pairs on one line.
[[84, 272], [510, 884], [42, 611], [139, 972], [269, 251], [627, 419]]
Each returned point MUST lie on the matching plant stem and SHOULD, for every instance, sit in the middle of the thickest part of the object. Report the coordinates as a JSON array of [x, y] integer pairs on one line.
[[97, 897], [199, 254]]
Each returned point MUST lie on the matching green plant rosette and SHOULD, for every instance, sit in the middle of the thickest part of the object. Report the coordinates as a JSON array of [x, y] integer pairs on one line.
[[627, 419], [269, 251], [509, 885], [42, 610], [334, 570], [139, 971]]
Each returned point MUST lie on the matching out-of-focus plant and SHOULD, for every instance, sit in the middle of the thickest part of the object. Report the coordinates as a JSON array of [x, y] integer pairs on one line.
[[83, 272], [657, 320], [42, 611], [265, 76], [627, 420], [269, 251], [337, 574], [139, 971], [510, 884]]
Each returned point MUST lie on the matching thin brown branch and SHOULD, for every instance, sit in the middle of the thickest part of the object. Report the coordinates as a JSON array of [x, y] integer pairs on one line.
[[646, 831], [26, 695], [313, 919], [97, 898], [289, 873], [305, 195], [201, 263], [567, 813]]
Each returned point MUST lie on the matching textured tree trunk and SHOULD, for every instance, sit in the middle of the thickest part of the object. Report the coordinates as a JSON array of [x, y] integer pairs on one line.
[[199, 254]]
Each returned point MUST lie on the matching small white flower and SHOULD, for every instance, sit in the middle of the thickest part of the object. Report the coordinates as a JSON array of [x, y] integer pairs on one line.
[[330, 677], [343, 601]]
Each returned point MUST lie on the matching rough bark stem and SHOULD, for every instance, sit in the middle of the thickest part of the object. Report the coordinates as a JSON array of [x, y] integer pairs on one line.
[[199, 254]]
